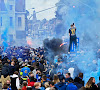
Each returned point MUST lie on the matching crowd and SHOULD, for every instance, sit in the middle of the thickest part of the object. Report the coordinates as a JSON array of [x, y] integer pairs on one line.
[[25, 68]]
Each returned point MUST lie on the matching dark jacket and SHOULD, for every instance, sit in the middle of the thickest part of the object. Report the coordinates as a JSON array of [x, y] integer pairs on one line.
[[93, 87], [41, 67], [98, 85], [61, 86], [1, 66], [78, 82], [17, 66], [11, 70], [54, 71], [5, 71], [66, 79], [4, 60]]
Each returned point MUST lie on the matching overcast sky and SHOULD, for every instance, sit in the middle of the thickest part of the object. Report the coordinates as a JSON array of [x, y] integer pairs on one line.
[[41, 5]]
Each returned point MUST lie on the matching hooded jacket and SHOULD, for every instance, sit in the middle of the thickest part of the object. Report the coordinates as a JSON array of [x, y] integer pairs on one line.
[[71, 86], [61, 86]]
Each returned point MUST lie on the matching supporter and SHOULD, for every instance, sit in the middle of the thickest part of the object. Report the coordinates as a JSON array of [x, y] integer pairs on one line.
[[16, 64], [52, 85], [37, 65], [47, 86], [29, 61], [99, 83], [60, 75], [5, 74], [33, 67], [12, 68], [71, 86], [38, 58], [38, 75], [15, 83], [37, 86], [78, 81], [8, 61], [20, 62], [4, 60], [31, 81], [48, 77], [24, 85], [90, 85], [67, 77], [40, 70], [61, 85], [9, 85], [5, 87], [41, 66], [53, 71], [0, 67], [44, 80], [56, 79], [24, 72]]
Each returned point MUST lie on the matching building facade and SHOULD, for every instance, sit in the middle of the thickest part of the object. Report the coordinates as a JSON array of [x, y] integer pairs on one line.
[[12, 20], [3, 20]]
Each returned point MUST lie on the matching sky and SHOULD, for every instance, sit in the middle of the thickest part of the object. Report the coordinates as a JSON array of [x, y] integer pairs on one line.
[[41, 5]]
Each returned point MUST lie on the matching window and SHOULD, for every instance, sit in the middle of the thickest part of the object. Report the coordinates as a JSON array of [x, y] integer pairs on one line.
[[11, 21], [1, 21], [19, 22], [11, 7], [11, 38]]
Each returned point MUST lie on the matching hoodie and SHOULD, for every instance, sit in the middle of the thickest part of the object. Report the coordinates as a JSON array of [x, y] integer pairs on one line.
[[61, 86]]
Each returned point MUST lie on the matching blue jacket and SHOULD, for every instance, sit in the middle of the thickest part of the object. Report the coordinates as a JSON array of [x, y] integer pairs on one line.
[[9, 88], [71, 86], [61, 86], [25, 71]]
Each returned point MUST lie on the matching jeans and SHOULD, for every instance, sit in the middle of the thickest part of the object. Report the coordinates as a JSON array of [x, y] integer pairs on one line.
[[72, 40]]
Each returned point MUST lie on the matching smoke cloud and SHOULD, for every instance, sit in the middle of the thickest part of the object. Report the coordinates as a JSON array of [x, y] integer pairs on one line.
[[53, 47], [85, 14]]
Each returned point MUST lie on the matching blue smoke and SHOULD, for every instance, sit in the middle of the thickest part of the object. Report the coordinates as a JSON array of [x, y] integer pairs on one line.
[[86, 16], [4, 38]]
